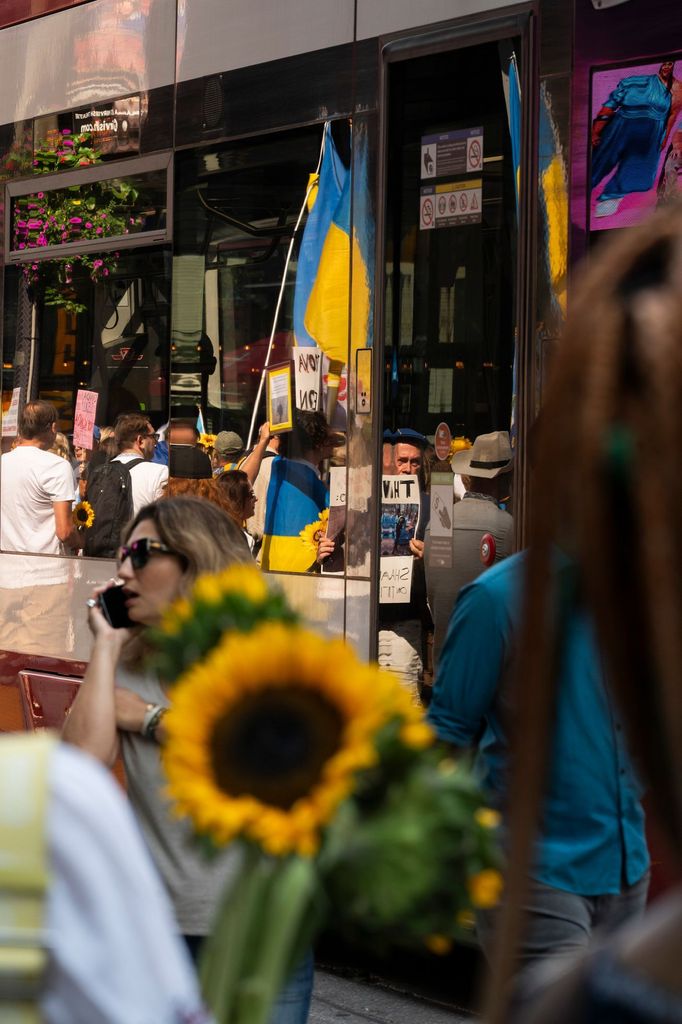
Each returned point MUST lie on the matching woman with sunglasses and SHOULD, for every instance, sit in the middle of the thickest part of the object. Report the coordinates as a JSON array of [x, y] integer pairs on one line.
[[119, 707]]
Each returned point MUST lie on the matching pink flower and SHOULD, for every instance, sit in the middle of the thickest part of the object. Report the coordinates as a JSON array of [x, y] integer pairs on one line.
[[41, 195], [98, 263], [98, 231], [75, 220], [88, 223], [66, 131]]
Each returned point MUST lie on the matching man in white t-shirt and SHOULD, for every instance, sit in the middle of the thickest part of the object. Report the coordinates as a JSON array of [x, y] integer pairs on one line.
[[37, 488], [136, 439]]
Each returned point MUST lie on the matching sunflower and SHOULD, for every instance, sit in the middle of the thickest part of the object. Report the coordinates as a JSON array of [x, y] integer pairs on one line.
[[312, 534], [84, 514], [265, 735], [459, 444], [206, 441]]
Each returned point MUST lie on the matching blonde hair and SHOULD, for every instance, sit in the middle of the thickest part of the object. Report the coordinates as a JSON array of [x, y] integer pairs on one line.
[[61, 446]]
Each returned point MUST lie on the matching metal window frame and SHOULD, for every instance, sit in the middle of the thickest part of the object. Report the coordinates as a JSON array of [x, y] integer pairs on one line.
[[101, 172], [472, 30]]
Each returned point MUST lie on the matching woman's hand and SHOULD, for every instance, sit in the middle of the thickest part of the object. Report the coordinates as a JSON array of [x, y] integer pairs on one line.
[[325, 548], [130, 709], [101, 629]]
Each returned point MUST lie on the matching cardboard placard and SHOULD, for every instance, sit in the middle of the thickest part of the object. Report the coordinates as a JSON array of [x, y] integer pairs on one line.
[[84, 419], [308, 378], [400, 510]]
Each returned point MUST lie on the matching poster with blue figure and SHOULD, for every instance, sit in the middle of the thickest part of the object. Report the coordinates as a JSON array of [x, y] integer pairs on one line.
[[636, 113]]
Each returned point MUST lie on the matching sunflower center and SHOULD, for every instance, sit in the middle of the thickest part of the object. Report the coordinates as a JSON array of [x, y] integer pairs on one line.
[[273, 745]]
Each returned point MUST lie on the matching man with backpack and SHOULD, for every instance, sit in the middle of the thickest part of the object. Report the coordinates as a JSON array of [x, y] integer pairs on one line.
[[118, 489]]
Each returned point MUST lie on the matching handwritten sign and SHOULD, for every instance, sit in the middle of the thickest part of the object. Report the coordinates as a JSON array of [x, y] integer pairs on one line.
[[10, 420], [308, 374], [395, 579], [84, 418], [400, 508]]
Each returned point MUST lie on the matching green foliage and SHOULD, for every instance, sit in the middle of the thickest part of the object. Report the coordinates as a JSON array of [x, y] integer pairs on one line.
[[395, 869], [93, 211], [197, 635]]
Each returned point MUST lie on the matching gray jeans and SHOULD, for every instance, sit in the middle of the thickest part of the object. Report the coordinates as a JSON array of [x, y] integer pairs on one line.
[[560, 924]]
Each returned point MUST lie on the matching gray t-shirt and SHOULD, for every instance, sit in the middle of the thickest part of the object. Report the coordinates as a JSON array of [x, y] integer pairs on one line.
[[195, 885]]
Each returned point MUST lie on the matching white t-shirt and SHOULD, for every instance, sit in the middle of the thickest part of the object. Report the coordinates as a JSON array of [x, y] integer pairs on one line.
[[115, 956], [149, 481], [30, 481]]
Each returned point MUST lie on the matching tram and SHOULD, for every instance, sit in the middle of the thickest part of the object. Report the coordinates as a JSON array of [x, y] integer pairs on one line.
[[462, 127]]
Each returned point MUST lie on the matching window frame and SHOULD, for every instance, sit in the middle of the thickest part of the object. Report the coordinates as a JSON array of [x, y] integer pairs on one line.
[[100, 172]]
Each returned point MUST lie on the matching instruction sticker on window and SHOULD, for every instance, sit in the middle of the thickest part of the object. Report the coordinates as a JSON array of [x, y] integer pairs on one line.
[[450, 204]]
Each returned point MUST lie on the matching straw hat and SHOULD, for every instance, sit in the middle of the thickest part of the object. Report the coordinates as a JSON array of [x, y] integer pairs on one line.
[[489, 456]]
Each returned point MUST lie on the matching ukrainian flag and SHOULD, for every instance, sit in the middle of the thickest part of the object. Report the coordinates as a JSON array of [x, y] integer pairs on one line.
[[325, 293], [294, 499], [322, 203]]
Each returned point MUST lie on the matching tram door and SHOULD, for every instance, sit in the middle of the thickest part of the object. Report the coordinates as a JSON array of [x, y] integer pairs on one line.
[[448, 323]]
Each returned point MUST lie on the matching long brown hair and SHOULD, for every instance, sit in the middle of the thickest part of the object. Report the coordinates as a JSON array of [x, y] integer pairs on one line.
[[608, 489]]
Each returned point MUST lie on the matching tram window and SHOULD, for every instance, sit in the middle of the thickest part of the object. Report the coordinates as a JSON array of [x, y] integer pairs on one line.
[[235, 208], [449, 306], [110, 335], [77, 211]]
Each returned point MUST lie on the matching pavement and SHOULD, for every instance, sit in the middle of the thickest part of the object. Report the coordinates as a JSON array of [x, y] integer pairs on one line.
[[339, 1000]]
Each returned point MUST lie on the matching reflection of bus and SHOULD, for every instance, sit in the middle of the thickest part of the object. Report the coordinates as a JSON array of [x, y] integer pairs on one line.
[[205, 191]]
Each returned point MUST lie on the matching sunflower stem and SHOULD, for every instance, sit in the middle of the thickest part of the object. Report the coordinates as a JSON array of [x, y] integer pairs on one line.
[[280, 938], [224, 959]]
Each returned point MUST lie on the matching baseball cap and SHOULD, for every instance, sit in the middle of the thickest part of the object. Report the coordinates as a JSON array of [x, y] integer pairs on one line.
[[228, 442]]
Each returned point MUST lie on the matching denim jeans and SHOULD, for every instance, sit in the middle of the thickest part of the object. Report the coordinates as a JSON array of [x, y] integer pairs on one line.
[[293, 1002], [560, 924]]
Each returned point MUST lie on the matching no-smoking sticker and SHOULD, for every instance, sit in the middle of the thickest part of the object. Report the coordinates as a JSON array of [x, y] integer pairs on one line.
[[426, 212], [474, 153]]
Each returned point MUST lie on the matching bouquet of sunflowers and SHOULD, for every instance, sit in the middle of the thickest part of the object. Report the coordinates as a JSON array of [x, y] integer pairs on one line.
[[321, 767]]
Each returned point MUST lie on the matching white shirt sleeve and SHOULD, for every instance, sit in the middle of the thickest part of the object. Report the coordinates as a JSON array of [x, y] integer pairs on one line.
[[115, 956], [58, 480]]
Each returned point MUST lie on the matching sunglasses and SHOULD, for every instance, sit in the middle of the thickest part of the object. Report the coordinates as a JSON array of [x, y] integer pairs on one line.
[[140, 551]]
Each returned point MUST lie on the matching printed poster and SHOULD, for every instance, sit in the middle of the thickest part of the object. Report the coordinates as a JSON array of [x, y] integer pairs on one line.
[[279, 395], [635, 141], [400, 509]]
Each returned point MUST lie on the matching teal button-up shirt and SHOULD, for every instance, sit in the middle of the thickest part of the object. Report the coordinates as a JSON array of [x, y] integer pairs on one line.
[[592, 838]]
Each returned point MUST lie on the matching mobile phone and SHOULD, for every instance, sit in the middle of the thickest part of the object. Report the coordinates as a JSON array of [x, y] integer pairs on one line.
[[112, 603]]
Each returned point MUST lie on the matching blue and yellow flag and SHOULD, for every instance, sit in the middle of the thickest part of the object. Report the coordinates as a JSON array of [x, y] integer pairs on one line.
[[294, 499], [323, 296], [322, 202]]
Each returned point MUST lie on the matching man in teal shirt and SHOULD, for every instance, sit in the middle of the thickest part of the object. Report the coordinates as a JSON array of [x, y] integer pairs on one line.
[[591, 860]]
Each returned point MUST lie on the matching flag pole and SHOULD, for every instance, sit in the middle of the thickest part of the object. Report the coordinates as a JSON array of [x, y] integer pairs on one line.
[[311, 185]]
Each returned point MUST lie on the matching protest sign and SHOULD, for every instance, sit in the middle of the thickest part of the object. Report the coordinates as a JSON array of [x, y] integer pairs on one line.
[[400, 508], [10, 419], [84, 418], [308, 378]]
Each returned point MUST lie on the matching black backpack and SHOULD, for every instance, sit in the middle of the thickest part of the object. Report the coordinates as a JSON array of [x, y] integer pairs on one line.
[[110, 493]]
